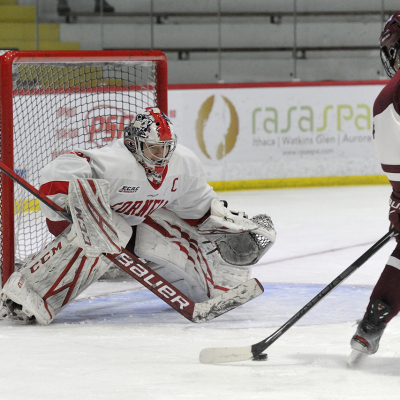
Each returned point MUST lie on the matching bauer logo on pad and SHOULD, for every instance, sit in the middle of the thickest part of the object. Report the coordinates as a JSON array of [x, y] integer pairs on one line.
[[128, 189]]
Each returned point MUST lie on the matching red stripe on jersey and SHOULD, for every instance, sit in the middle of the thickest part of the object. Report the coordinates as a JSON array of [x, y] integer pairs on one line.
[[54, 187], [156, 186]]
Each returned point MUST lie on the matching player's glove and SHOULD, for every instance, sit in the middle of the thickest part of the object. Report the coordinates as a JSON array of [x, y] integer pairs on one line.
[[394, 212]]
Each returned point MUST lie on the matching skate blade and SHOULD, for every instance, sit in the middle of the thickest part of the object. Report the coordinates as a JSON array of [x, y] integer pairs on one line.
[[356, 358]]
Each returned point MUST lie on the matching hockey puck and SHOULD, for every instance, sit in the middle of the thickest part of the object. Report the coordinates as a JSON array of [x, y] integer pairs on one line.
[[261, 357]]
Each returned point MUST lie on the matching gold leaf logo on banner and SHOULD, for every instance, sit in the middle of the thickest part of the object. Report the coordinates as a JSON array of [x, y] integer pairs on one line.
[[231, 134]]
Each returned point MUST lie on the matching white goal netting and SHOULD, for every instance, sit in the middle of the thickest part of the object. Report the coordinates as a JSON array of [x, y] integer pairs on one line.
[[58, 106]]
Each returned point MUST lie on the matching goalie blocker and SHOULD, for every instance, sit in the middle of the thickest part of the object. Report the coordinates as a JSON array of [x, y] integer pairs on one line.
[[73, 261]]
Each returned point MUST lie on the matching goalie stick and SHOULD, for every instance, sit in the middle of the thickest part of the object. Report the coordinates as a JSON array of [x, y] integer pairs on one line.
[[233, 354], [132, 265]]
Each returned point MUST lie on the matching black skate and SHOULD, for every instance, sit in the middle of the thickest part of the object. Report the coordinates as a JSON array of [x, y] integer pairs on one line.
[[369, 332]]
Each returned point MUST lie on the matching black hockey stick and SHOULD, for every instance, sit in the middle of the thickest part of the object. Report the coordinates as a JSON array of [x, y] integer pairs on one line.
[[132, 265], [231, 354]]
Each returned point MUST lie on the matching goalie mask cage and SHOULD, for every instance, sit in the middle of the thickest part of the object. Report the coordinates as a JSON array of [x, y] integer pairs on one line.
[[53, 102]]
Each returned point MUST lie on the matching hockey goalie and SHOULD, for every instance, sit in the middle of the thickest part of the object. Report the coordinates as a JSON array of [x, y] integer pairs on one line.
[[147, 194]]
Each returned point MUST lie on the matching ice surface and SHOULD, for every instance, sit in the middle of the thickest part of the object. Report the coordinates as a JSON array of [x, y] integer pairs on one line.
[[119, 341]]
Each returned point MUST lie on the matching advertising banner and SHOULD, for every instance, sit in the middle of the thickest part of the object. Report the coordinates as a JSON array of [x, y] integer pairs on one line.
[[257, 133], [239, 132]]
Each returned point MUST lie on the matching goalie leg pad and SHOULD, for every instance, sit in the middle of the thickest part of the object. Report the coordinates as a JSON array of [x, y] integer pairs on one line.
[[97, 233], [168, 241], [53, 278], [230, 276], [18, 290]]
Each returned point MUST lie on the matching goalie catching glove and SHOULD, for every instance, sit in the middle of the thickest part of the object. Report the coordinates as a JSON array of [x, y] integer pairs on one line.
[[240, 241]]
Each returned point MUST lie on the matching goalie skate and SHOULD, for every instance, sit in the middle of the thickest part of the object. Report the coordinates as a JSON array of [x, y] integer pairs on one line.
[[13, 311], [23, 304]]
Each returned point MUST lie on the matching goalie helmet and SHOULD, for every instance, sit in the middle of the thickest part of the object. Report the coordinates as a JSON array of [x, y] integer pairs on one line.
[[150, 138], [390, 43]]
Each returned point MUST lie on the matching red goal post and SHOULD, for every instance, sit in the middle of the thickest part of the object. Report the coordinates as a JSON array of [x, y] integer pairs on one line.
[[52, 102]]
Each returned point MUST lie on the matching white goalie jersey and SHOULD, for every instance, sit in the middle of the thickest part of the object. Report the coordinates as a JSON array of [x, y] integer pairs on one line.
[[183, 190]]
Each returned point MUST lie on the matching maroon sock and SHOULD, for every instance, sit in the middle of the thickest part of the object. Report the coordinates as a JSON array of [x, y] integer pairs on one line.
[[387, 289]]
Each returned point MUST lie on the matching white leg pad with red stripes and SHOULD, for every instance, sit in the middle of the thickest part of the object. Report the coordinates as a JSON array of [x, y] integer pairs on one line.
[[54, 277], [168, 241], [18, 290], [95, 223]]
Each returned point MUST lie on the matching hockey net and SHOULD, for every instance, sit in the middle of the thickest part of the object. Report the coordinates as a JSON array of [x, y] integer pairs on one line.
[[51, 103]]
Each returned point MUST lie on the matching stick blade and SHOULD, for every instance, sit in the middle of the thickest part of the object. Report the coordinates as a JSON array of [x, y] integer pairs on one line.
[[222, 355], [227, 301]]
